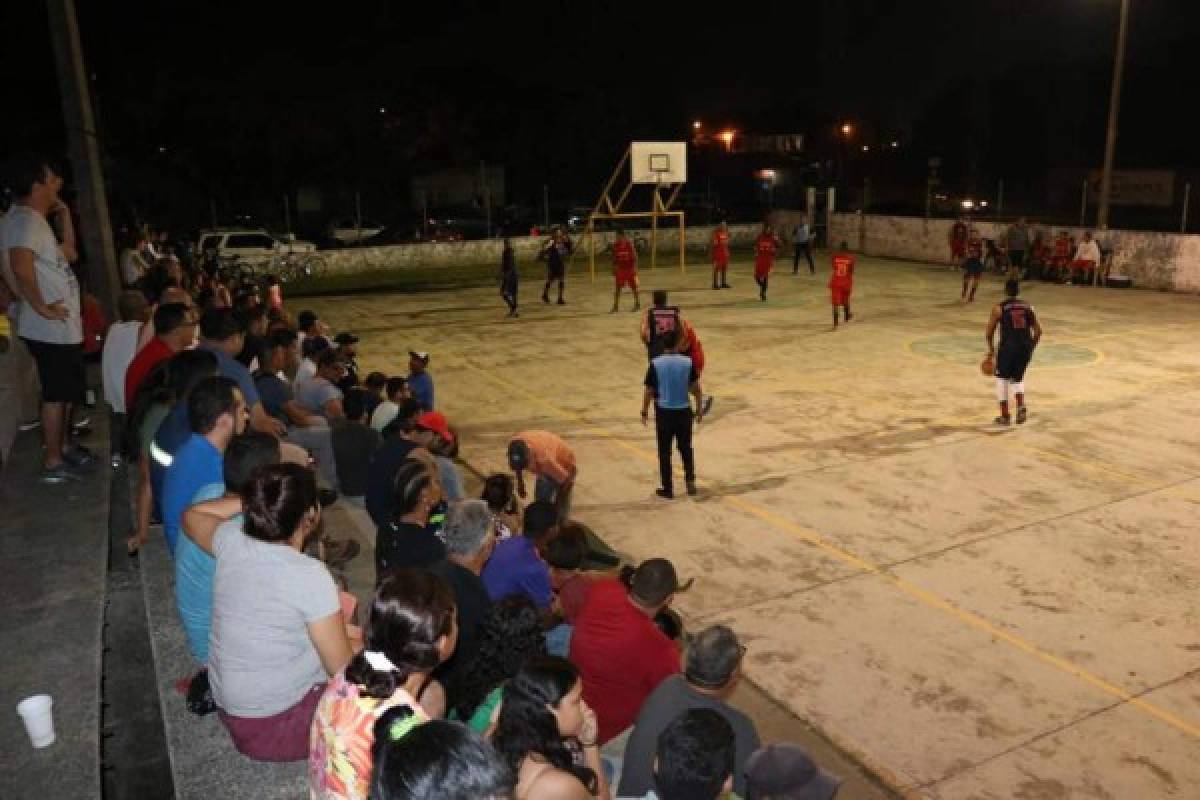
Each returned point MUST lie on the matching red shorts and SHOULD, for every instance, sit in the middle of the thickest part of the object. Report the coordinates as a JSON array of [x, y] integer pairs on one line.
[[720, 261], [283, 737], [696, 354], [762, 270], [839, 293], [1083, 265], [626, 277]]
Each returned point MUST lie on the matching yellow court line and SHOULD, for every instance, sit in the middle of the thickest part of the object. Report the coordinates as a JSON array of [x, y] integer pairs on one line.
[[918, 593]]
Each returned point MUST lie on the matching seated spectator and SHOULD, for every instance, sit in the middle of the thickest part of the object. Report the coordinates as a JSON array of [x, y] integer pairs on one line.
[[174, 331], [544, 722], [274, 294], [320, 394], [120, 346], [693, 758], [785, 772], [469, 538], [400, 439], [254, 321], [216, 413], [305, 429], [439, 760], [444, 447], [374, 385], [499, 492], [621, 653], [277, 627], [510, 636], [395, 393], [133, 265], [222, 335], [712, 670], [566, 554], [311, 349], [516, 566], [420, 382], [409, 632], [354, 443], [311, 327], [194, 568], [164, 393], [407, 540], [344, 344]]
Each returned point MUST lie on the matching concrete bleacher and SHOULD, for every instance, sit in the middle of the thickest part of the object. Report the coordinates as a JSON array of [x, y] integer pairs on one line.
[[54, 559]]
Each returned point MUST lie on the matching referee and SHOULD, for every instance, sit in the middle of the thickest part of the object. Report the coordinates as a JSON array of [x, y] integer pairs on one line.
[[670, 378]]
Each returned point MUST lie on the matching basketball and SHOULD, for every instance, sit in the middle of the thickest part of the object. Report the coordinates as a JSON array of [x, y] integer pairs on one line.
[[988, 366]]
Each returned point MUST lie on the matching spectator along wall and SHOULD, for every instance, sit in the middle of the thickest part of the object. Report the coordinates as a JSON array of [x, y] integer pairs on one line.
[[1167, 261]]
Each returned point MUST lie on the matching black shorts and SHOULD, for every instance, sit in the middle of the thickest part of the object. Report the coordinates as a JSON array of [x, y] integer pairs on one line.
[[556, 272], [1012, 361], [60, 369], [973, 266]]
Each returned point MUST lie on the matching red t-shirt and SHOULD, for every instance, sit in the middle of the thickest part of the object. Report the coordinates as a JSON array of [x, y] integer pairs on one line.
[[624, 256], [94, 326], [720, 244], [621, 655], [843, 270], [150, 356]]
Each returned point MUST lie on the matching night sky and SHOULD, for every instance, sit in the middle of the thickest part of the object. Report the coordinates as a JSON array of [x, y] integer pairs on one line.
[[245, 101]]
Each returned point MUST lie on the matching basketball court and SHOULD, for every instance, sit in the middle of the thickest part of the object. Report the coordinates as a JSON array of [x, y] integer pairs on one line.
[[971, 612]]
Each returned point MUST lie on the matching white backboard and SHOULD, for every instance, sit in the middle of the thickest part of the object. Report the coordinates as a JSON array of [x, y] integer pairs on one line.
[[658, 162]]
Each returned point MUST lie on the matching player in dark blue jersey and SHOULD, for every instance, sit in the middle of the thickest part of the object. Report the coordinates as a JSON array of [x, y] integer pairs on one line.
[[1020, 333]]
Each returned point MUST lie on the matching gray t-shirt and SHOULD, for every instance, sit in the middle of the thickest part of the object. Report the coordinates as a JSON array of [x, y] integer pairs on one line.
[[25, 228], [673, 697], [314, 393], [261, 660]]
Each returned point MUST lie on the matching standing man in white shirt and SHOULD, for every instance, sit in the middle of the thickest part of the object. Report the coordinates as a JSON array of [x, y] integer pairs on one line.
[[1087, 258], [120, 346], [802, 240], [50, 322]]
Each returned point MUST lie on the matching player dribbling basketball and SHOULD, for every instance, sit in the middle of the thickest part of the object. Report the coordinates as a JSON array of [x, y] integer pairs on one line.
[[1020, 333]]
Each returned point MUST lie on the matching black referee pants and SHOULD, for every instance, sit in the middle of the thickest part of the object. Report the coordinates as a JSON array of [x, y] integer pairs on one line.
[[674, 425]]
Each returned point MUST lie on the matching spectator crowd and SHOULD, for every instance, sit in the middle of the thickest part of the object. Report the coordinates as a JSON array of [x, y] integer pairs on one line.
[[503, 654]]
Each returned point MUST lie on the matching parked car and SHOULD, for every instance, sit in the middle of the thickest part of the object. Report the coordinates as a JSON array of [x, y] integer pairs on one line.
[[349, 231], [247, 246]]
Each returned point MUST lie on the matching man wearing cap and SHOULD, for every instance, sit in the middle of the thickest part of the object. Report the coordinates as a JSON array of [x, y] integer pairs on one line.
[[345, 349], [712, 670], [670, 379], [784, 771], [621, 654], [552, 464], [420, 382], [320, 394]]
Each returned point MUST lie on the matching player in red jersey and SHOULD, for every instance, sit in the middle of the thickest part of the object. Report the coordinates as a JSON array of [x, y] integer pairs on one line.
[[972, 265], [624, 269], [720, 255], [958, 240], [765, 248], [841, 282]]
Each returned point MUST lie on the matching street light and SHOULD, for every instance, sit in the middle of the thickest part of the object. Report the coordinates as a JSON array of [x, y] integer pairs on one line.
[[847, 129], [1114, 107], [866, 147], [727, 138], [895, 145], [696, 125]]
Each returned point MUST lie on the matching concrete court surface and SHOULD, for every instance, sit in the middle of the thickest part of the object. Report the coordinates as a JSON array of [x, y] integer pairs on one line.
[[971, 612]]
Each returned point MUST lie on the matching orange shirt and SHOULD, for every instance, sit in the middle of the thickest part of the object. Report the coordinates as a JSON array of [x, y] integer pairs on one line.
[[549, 455]]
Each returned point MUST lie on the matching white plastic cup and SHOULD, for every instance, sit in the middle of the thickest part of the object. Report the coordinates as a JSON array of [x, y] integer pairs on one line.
[[37, 714]]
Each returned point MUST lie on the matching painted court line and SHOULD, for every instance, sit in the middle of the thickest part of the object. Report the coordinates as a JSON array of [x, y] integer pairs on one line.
[[914, 591]]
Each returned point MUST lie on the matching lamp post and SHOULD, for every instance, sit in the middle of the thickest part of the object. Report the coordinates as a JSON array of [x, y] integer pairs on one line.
[[1114, 108]]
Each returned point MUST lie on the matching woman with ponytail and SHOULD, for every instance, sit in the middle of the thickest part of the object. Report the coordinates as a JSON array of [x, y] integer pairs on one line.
[[412, 628], [547, 734]]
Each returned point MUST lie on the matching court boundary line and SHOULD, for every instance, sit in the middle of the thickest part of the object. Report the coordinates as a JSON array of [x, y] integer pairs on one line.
[[918, 593]]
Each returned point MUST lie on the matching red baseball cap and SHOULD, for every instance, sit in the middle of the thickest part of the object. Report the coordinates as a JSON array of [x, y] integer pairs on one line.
[[435, 421]]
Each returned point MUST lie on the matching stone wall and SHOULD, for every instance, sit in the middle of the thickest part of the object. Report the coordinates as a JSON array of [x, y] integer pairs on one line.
[[487, 251], [1168, 261]]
